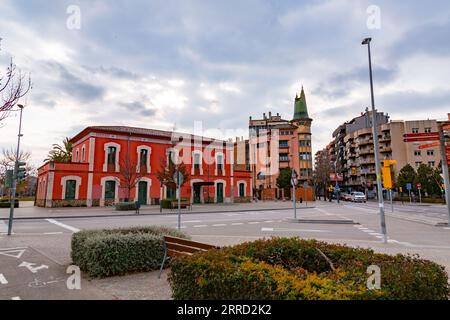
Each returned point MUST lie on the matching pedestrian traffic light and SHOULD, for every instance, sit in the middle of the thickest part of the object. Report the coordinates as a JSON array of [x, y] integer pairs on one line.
[[21, 171], [9, 178]]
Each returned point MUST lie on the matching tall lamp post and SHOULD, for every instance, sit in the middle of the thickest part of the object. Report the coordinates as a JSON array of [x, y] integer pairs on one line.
[[16, 169], [367, 41]]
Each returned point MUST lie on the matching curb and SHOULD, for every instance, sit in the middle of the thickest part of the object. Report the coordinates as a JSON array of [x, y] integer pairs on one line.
[[322, 221], [433, 224], [173, 212]]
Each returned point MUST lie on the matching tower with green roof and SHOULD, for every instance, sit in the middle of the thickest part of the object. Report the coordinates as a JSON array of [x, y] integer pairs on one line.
[[303, 122], [300, 107]]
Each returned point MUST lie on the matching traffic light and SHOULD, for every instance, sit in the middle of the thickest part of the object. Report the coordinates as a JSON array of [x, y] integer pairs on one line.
[[9, 178], [21, 171], [386, 171]]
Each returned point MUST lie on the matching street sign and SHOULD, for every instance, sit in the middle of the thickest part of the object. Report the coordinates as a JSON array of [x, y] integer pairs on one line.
[[178, 178], [429, 145], [419, 135], [419, 186], [408, 186]]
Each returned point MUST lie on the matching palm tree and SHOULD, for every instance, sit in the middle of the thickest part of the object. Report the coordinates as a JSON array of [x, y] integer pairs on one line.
[[61, 153]]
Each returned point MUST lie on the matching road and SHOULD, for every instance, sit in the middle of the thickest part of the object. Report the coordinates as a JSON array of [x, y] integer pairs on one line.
[[47, 240]]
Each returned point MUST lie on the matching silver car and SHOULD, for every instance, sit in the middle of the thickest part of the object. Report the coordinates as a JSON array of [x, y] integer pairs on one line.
[[358, 197]]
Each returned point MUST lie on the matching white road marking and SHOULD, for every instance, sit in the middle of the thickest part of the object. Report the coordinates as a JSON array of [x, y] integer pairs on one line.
[[62, 225], [368, 231], [50, 233], [253, 222], [237, 224], [375, 234], [268, 221], [193, 221], [293, 230], [219, 225], [446, 228], [30, 266], [16, 298], [16, 248], [3, 279], [200, 226], [15, 253]]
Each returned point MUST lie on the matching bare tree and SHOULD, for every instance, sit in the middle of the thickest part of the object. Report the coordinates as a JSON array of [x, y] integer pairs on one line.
[[13, 86], [129, 175], [8, 160], [322, 173], [166, 172]]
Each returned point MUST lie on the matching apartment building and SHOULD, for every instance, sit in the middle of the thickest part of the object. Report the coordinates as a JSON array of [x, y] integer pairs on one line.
[[352, 148]]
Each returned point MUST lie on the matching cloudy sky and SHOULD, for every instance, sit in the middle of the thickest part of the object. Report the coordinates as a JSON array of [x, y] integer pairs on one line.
[[165, 64]]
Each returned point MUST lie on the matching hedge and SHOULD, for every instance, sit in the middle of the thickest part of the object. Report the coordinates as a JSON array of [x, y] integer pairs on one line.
[[292, 268], [108, 252], [126, 206]]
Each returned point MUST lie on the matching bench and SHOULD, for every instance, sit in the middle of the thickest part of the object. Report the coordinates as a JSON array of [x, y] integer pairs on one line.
[[174, 205], [176, 247]]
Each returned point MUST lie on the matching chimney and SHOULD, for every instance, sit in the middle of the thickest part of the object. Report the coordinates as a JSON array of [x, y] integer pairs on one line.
[[270, 114], [264, 116]]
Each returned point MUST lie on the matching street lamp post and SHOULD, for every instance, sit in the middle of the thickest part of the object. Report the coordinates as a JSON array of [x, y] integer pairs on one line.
[[367, 41], [16, 169]]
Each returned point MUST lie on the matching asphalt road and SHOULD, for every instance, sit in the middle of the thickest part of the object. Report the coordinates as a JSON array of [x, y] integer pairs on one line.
[[47, 241]]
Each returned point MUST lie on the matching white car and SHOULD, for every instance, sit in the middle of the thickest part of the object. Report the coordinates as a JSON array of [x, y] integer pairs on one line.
[[358, 197]]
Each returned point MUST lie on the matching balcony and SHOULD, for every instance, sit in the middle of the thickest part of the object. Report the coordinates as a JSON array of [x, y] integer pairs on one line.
[[367, 161], [385, 149], [385, 138], [366, 151], [363, 142]]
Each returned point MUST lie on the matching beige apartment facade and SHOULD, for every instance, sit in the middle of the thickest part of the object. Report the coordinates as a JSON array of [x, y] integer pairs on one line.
[[352, 150]]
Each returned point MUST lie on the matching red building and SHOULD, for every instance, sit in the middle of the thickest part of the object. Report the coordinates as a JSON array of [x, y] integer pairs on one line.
[[103, 157]]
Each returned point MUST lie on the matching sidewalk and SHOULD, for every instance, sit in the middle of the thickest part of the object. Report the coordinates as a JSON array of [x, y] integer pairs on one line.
[[30, 212]]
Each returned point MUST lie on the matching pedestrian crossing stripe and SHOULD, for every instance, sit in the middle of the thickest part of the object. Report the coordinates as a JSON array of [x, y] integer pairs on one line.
[[13, 253]]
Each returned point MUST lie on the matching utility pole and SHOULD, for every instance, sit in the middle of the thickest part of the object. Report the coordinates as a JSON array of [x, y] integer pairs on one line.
[[376, 147], [445, 170], [294, 184], [16, 169]]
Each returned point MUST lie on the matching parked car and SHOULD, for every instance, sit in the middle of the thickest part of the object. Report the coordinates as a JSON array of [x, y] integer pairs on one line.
[[346, 197], [358, 197]]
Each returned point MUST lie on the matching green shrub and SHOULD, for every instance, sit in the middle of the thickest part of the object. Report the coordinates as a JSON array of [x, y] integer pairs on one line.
[[126, 206], [107, 252], [291, 268]]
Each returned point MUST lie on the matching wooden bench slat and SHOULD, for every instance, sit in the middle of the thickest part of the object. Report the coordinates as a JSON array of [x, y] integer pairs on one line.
[[183, 248], [175, 253], [189, 243]]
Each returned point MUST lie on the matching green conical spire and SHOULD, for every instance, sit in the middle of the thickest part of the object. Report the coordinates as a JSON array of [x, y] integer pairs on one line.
[[300, 108]]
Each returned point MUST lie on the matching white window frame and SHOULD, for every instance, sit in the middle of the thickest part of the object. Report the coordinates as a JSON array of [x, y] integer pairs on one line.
[[83, 153], [77, 155], [193, 162], [149, 186], [149, 152], [245, 187], [116, 191], [105, 163], [77, 186], [216, 169]]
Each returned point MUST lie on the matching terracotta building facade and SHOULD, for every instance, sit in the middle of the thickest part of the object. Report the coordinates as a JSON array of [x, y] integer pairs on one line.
[[276, 144], [103, 157]]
